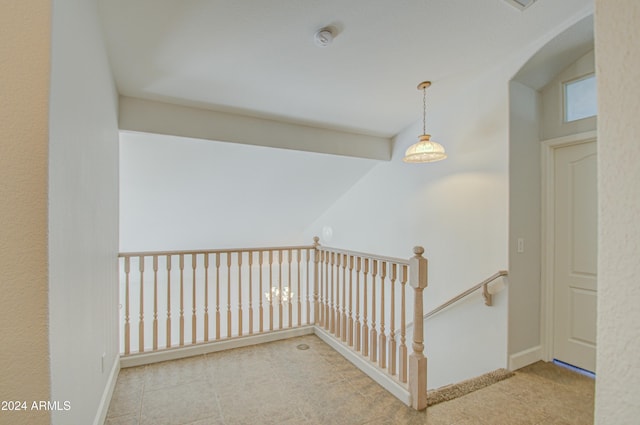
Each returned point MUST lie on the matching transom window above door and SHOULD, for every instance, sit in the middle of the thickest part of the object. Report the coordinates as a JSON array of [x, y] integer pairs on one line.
[[580, 100]]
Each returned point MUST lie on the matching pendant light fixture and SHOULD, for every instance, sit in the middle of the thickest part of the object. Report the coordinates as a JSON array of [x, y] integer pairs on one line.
[[426, 150]]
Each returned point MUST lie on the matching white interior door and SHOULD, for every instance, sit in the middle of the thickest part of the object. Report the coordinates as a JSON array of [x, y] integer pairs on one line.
[[575, 255]]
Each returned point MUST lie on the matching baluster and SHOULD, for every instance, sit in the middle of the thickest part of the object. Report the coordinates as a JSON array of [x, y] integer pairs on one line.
[[357, 325], [382, 343], [181, 299], [168, 300], [316, 282], [250, 293], [321, 283], [308, 304], [260, 306], [365, 327], [155, 302], [127, 326], [206, 296], [141, 323], [229, 294], [289, 294], [271, 290], [239, 293], [403, 321], [336, 310], [350, 326], [217, 295], [327, 297], [193, 300], [298, 254], [392, 336], [343, 320], [330, 312], [417, 360], [373, 352], [279, 289]]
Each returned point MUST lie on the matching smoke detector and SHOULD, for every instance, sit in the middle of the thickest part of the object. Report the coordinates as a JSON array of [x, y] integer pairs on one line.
[[323, 37]]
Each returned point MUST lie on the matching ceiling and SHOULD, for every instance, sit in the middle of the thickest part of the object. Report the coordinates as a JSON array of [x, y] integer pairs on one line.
[[258, 58]]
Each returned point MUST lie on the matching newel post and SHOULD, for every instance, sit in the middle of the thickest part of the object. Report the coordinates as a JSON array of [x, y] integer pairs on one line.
[[316, 259], [417, 360]]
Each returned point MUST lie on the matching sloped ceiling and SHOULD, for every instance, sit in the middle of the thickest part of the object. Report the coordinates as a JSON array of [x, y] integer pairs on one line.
[[258, 58]]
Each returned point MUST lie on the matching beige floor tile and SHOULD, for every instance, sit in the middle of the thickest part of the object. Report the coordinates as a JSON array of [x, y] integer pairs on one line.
[[179, 404], [126, 399], [277, 383], [175, 372], [123, 420], [208, 421]]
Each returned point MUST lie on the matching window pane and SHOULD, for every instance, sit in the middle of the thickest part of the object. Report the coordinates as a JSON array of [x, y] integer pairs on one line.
[[580, 99]]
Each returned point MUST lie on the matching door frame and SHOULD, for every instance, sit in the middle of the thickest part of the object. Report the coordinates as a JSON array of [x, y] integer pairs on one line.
[[547, 225]]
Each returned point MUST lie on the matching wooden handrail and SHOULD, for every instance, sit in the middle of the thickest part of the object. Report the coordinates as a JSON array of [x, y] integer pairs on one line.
[[485, 293], [402, 261], [213, 251]]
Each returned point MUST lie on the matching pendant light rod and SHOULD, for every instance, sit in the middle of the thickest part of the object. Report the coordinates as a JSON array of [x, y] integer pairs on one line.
[[423, 86]]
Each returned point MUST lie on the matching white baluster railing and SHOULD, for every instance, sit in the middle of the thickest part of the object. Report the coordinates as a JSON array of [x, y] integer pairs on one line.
[[220, 278], [350, 299], [366, 289]]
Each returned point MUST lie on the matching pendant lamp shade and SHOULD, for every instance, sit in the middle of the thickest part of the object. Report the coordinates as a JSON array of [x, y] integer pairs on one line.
[[426, 150]]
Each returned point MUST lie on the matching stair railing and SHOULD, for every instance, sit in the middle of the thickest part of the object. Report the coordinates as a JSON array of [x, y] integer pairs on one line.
[[184, 298], [359, 298], [180, 303]]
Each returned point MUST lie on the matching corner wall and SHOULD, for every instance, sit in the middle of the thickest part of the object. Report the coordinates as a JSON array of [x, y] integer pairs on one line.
[[524, 223], [24, 66], [83, 215], [618, 358]]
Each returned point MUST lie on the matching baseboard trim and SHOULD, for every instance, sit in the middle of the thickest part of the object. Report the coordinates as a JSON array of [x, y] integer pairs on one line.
[[372, 370], [525, 357], [103, 407], [211, 347]]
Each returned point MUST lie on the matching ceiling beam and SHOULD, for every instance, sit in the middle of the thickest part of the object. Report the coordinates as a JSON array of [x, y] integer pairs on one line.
[[165, 118]]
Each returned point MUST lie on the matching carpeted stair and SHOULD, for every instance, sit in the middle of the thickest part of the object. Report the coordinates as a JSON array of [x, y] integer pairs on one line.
[[452, 391]]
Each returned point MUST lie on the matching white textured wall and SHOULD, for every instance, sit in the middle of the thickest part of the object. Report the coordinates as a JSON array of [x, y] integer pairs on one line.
[[179, 193], [83, 213], [618, 357], [24, 87]]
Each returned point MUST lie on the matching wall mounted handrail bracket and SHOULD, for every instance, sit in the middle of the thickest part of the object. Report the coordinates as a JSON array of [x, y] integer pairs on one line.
[[487, 293]]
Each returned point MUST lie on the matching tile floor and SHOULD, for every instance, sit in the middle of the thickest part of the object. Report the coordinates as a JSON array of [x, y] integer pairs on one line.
[[276, 383]]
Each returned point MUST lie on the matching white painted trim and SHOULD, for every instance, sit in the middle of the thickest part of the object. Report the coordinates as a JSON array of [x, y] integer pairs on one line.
[[547, 148], [212, 347], [371, 369], [525, 357], [154, 117], [572, 139], [105, 401]]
